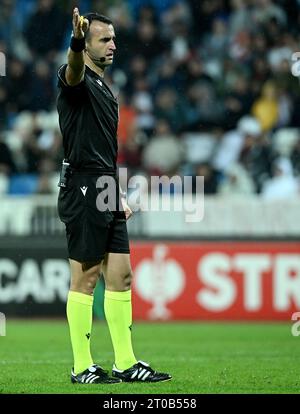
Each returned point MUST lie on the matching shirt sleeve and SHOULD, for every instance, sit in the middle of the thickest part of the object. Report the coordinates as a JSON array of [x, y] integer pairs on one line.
[[62, 83]]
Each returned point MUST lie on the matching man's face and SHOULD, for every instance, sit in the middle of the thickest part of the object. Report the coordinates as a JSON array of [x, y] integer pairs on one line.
[[101, 43]]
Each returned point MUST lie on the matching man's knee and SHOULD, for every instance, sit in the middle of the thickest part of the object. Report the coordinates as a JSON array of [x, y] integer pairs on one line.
[[124, 282], [127, 280], [91, 280], [119, 283], [85, 280], [85, 284]]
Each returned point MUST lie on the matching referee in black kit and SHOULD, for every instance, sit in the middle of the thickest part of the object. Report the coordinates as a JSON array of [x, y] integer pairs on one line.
[[97, 240]]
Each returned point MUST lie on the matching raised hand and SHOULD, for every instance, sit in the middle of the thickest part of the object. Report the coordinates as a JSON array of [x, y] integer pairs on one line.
[[80, 25]]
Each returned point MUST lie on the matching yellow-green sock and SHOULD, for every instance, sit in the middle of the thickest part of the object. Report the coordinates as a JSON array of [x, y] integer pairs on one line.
[[118, 313], [80, 317]]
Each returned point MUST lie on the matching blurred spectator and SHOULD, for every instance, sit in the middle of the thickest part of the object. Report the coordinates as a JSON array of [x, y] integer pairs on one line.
[[283, 184], [240, 17], [236, 181], [164, 152], [127, 120], [7, 27], [211, 178], [261, 73], [205, 12], [238, 100], [257, 156], [148, 42], [136, 71], [45, 29], [17, 87], [125, 38], [180, 46], [166, 75], [143, 104], [203, 107], [216, 42], [194, 71], [260, 44], [168, 107], [178, 12], [147, 13], [7, 164], [266, 10], [131, 154], [129, 150], [232, 143], [266, 107], [281, 50], [240, 47], [41, 87]]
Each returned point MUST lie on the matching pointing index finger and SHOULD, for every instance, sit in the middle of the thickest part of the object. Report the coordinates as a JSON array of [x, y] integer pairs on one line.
[[76, 16]]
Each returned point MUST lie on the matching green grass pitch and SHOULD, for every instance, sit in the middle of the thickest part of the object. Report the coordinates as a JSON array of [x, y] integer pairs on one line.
[[35, 357]]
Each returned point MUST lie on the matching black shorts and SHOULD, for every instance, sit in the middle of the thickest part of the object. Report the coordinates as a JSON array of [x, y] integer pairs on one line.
[[90, 233]]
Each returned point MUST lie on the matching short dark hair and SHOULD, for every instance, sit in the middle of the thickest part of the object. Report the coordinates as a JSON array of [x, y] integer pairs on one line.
[[95, 16]]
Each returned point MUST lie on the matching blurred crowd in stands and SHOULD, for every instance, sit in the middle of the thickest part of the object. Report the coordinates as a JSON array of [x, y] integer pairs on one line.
[[204, 88]]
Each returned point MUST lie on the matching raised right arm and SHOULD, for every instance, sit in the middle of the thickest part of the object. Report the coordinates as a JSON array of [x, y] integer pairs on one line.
[[75, 68]]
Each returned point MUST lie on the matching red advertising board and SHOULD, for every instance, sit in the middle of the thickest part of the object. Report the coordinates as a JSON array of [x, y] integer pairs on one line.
[[216, 280]]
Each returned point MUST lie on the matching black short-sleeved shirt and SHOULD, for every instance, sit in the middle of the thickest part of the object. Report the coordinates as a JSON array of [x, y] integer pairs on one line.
[[88, 119]]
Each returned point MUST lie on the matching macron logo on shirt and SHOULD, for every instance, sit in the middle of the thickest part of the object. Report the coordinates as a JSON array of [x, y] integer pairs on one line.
[[84, 190]]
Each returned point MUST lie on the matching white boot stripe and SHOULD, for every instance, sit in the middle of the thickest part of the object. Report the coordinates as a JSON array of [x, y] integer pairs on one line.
[[146, 375], [97, 376], [142, 372], [89, 380], [134, 374]]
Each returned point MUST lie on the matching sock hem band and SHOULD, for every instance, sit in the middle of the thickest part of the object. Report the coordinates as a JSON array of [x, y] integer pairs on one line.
[[82, 298], [124, 296]]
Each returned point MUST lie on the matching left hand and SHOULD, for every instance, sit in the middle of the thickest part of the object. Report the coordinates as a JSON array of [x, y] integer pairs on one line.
[[127, 210]]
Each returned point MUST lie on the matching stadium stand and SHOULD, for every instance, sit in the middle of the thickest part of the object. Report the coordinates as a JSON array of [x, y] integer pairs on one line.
[[187, 70]]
